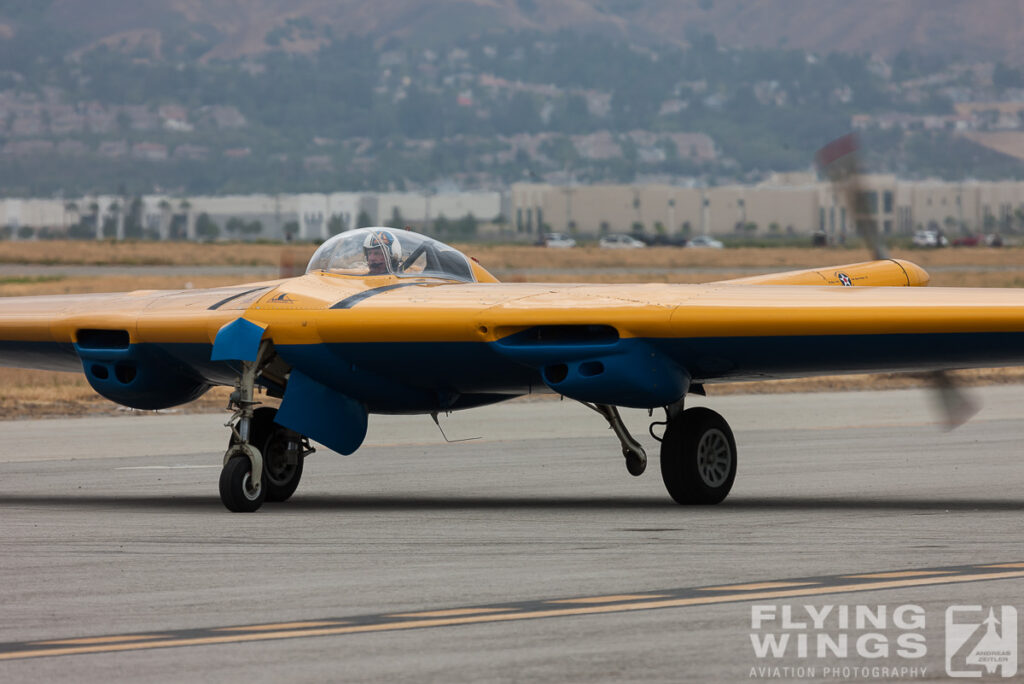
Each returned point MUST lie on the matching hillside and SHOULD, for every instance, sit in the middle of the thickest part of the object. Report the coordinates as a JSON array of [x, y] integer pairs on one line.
[[228, 96], [232, 28]]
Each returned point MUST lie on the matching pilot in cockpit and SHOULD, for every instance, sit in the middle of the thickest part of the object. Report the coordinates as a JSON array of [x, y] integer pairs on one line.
[[383, 252]]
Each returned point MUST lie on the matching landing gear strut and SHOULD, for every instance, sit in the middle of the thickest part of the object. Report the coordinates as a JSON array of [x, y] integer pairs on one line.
[[636, 457], [241, 480]]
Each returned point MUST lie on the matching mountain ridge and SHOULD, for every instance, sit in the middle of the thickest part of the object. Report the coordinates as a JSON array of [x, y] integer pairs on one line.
[[237, 28]]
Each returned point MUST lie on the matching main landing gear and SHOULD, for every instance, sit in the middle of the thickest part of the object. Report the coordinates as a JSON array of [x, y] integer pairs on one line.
[[698, 457], [264, 460], [698, 452]]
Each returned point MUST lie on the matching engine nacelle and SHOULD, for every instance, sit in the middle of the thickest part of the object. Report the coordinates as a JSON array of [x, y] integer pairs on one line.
[[141, 376], [636, 376], [593, 363]]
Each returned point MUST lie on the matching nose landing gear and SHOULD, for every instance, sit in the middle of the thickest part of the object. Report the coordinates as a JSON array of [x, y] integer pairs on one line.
[[264, 460], [284, 451]]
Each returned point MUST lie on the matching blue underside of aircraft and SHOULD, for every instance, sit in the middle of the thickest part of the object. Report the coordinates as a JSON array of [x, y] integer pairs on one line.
[[421, 377], [333, 387]]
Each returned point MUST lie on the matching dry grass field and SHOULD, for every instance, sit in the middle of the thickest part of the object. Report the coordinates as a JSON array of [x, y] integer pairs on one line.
[[41, 393], [144, 253], [494, 257]]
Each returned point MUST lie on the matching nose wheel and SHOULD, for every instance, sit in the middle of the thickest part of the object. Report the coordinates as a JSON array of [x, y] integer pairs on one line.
[[284, 452], [698, 457], [238, 492], [264, 460]]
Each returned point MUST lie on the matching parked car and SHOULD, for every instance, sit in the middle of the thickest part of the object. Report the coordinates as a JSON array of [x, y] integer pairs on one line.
[[929, 238], [705, 241], [559, 240], [620, 241], [665, 240], [968, 241]]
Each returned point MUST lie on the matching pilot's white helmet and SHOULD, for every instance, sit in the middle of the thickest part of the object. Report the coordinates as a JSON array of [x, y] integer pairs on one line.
[[384, 240]]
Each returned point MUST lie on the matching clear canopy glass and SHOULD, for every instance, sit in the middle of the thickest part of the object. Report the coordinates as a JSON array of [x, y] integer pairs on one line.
[[383, 251]]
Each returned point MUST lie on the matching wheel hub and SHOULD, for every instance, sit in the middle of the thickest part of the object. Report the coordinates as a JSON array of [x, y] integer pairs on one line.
[[251, 493], [279, 470], [714, 458]]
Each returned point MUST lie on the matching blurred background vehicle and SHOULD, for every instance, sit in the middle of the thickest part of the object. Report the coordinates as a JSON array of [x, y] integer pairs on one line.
[[929, 238], [705, 241], [661, 240], [559, 240], [620, 242]]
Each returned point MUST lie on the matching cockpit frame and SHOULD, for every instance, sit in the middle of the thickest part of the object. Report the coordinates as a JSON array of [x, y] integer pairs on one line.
[[407, 255]]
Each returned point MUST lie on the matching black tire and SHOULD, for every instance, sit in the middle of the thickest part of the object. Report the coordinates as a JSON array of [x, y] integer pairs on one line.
[[698, 457], [234, 481], [280, 479]]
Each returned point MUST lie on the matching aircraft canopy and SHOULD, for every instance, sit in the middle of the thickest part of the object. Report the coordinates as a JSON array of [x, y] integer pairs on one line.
[[383, 251]]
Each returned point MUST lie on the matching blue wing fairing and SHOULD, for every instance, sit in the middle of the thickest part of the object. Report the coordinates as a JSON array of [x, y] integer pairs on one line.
[[140, 376], [238, 340]]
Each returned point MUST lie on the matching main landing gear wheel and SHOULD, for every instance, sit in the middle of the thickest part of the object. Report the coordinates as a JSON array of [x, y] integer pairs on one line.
[[281, 470], [237, 490], [698, 457]]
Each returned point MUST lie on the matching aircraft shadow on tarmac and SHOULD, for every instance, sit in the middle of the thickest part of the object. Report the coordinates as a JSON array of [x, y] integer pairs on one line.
[[422, 502]]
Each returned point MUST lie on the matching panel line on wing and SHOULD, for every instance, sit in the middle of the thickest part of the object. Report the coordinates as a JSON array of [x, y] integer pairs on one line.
[[235, 296], [349, 302]]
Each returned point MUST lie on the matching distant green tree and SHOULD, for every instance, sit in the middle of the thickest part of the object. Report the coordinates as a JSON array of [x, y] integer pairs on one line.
[[81, 231], [1006, 77], [206, 228], [465, 227], [290, 229], [363, 220], [234, 226], [396, 218], [336, 224], [109, 227], [133, 228], [442, 226]]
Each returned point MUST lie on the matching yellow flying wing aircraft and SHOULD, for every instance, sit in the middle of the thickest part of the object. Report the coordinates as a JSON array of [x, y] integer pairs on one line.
[[389, 321]]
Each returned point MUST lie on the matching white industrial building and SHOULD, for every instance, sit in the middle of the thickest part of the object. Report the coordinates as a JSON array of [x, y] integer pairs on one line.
[[315, 215]]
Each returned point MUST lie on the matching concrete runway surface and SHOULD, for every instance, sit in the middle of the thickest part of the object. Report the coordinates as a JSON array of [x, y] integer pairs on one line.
[[526, 555]]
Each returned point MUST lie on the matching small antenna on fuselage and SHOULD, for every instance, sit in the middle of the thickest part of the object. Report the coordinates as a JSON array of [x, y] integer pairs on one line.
[[450, 441]]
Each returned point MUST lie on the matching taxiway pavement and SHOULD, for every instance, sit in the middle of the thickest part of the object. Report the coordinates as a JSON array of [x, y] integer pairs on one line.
[[111, 527]]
